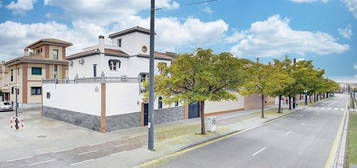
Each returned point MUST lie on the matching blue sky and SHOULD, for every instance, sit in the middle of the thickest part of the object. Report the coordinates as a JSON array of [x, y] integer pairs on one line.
[[320, 30]]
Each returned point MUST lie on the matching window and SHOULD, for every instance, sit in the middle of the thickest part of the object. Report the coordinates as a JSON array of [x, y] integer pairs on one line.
[[94, 70], [12, 75], [48, 95], [12, 90], [55, 71], [119, 42], [36, 71], [36, 90], [114, 64], [143, 77], [55, 54], [160, 103]]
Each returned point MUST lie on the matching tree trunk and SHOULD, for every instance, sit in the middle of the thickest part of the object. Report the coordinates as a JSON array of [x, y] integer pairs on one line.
[[263, 106], [310, 98], [279, 108], [314, 97], [289, 103], [202, 111], [317, 97], [305, 98], [294, 102], [327, 95]]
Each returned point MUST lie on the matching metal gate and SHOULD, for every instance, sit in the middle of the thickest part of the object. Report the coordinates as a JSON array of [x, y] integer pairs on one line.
[[194, 110]]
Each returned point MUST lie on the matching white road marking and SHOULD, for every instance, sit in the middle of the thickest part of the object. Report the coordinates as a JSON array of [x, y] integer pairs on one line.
[[27, 157], [329, 108], [302, 123], [73, 164], [37, 163], [87, 152], [336, 108], [288, 133], [258, 151], [342, 109], [322, 108]]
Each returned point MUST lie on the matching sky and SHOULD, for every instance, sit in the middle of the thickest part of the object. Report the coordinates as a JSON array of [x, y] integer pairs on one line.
[[324, 31]]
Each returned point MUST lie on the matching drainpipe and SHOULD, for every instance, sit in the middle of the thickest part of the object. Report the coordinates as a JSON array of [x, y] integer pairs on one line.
[[101, 53]]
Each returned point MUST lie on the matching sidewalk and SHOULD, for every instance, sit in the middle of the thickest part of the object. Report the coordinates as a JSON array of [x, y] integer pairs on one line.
[[178, 136], [123, 148]]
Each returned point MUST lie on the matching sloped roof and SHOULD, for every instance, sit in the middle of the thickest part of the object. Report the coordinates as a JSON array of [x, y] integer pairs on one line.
[[49, 41], [35, 59], [130, 30], [107, 51], [160, 55]]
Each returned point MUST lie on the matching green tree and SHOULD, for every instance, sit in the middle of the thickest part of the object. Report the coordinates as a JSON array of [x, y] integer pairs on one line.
[[264, 80], [282, 68], [200, 76]]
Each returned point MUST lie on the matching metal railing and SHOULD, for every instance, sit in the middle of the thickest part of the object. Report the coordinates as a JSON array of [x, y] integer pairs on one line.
[[94, 80]]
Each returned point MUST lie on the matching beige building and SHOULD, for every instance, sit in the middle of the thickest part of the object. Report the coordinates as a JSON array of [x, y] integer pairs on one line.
[[43, 59], [4, 83]]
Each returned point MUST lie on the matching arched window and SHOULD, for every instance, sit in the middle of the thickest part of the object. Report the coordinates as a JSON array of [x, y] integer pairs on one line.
[[114, 64], [160, 103]]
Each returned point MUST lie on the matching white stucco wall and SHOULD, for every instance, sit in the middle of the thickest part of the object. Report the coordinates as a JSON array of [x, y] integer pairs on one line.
[[83, 97], [212, 107], [133, 42], [122, 98]]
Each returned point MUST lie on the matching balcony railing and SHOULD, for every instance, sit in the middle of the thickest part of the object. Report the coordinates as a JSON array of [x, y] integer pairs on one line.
[[95, 80]]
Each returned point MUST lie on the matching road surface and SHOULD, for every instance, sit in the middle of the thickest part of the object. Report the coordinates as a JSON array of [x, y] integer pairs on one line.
[[300, 140]]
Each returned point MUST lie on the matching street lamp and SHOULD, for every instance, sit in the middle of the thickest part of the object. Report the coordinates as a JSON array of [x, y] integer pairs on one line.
[[151, 116]]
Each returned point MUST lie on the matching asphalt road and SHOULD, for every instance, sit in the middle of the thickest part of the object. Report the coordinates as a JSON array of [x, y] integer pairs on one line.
[[302, 140]]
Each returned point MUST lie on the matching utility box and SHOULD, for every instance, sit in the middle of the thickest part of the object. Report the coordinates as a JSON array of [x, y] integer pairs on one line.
[[212, 124]]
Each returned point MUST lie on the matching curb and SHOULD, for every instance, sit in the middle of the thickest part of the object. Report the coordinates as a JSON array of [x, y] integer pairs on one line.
[[337, 152], [212, 139]]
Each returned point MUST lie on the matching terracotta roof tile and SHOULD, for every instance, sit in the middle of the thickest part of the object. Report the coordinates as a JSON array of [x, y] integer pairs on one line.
[[50, 40], [36, 59], [94, 51]]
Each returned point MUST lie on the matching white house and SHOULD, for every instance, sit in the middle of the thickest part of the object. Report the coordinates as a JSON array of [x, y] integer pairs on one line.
[[104, 91]]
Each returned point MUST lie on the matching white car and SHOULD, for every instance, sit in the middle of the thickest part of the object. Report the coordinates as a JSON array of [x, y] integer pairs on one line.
[[5, 106]]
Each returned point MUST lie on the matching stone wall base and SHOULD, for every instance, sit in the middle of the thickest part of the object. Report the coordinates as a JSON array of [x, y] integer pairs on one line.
[[115, 122]]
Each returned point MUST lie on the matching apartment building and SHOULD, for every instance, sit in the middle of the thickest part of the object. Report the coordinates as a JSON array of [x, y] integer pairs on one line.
[[4, 83], [43, 59]]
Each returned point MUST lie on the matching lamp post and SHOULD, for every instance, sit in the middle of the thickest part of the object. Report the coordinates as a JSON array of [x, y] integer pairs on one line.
[[16, 108], [151, 116]]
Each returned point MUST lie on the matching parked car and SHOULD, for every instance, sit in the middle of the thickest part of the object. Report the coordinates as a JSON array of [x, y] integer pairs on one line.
[[5, 106]]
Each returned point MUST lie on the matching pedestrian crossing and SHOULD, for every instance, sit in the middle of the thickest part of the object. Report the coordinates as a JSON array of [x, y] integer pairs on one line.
[[327, 108]]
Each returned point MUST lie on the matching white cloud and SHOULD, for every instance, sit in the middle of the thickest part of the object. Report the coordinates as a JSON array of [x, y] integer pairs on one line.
[[274, 37], [355, 66], [19, 35], [0, 4], [171, 33], [309, 1], [207, 10], [21, 6], [106, 12], [352, 6], [345, 32]]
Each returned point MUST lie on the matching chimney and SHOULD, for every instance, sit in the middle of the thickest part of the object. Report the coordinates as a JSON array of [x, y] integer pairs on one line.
[[26, 52]]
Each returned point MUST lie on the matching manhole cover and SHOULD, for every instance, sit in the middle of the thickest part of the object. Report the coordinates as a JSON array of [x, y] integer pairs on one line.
[[41, 136]]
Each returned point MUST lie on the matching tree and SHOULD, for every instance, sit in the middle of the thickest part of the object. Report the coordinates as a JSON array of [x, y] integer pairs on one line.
[[264, 80], [200, 76], [282, 67]]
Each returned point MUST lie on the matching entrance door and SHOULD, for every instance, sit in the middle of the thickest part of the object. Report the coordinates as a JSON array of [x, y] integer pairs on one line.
[[146, 114], [194, 110]]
